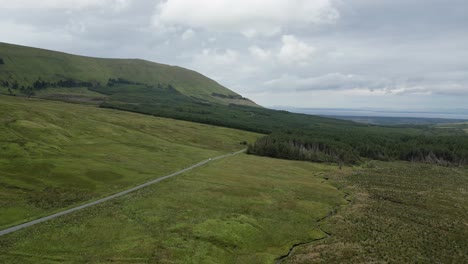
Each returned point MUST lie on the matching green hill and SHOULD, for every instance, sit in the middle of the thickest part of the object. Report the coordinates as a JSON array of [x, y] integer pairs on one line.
[[167, 91], [244, 209], [26, 65]]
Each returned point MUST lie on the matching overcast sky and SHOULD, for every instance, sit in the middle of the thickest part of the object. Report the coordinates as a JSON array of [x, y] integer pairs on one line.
[[395, 54]]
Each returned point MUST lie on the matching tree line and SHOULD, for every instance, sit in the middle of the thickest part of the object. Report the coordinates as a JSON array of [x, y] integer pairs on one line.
[[302, 137], [39, 84], [353, 148], [290, 136]]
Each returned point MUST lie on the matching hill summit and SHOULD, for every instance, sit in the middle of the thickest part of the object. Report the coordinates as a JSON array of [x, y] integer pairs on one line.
[[31, 69]]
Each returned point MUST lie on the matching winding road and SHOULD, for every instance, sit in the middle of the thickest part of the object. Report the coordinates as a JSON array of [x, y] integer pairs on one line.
[[105, 199]]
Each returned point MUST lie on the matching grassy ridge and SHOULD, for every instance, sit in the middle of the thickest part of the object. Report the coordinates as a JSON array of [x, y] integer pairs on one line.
[[401, 213], [54, 155], [300, 137], [161, 102], [26, 65], [243, 209]]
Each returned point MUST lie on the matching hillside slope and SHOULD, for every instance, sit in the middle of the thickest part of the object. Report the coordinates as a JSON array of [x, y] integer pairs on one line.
[[54, 155], [165, 91], [26, 65]]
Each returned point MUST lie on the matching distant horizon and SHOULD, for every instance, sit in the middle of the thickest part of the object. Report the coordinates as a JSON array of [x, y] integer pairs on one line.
[[460, 114]]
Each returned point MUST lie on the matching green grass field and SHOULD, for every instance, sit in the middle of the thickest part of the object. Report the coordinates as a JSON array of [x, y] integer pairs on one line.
[[54, 155], [243, 209], [401, 213]]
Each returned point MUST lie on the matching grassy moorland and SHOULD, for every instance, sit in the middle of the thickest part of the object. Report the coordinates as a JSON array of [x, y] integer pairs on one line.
[[26, 65], [242, 209], [401, 213], [164, 91], [54, 155]]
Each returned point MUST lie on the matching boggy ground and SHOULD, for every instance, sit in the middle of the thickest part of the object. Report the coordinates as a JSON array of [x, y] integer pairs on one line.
[[242, 209], [401, 213]]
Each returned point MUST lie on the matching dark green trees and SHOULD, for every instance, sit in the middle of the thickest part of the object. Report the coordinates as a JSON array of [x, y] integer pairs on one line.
[[15, 85], [351, 147], [300, 147]]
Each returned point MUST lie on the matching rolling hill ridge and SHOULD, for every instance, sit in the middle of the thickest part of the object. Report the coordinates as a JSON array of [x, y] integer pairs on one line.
[[173, 92], [25, 66]]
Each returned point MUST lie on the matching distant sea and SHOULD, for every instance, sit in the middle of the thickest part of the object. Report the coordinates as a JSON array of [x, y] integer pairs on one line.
[[445, 114]]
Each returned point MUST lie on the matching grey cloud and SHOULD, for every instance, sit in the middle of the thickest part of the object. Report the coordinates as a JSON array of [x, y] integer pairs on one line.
[[393, 51], [339, 81], [250, 18], [332, 81]]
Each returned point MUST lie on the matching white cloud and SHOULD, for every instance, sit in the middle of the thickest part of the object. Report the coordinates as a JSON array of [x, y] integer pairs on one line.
[[224, 65], [22, 34], [188, 34], [332, 81], [259, 53], [443, 88], [295, 51], [216, 57], [116, 5], [367, 85], [76, 26], [249, 17]]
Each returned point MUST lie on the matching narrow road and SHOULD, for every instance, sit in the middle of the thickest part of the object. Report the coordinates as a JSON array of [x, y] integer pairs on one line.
[[105, 199]]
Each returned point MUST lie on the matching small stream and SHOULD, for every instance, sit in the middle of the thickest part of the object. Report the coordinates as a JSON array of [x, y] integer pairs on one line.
[[327, 234]]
